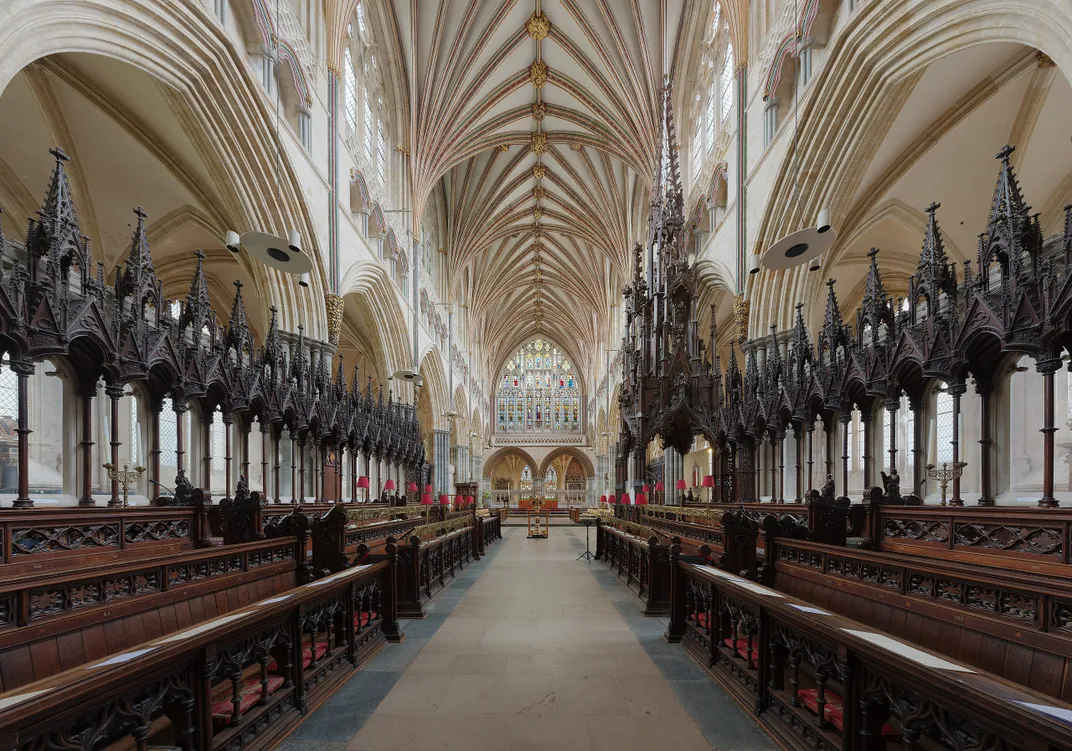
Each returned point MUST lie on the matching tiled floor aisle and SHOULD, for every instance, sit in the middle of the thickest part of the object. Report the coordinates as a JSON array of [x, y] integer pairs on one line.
[[542, 652]]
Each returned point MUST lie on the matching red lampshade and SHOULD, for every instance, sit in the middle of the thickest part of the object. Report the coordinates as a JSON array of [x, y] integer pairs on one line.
[[659, 486], [642, 498], [426, 500], [444, 500], [644, 489], [412, 487], [362, 482], [708, 481], [625, 498], [427, 488], [602, 499], [389, 485], [681, 485]]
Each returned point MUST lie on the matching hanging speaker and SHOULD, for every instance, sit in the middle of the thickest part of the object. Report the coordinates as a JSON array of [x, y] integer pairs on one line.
[[799, 247], [277, 252], [753, 264], [822, 224], [303, 281], [816, 263]]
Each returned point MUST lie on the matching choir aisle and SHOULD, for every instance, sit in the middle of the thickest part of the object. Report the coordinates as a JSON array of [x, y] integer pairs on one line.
[[531, 649]]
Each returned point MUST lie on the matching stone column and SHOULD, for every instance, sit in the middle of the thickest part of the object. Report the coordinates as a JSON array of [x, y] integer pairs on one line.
[[442, 460], [673, 467]]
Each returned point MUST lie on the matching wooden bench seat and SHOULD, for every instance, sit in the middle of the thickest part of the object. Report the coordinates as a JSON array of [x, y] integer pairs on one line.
[[61, 621], [815, 679], [1013, 624], [245, 677]]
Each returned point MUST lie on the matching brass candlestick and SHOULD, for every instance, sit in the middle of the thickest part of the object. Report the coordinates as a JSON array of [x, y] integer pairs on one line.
[[945, 474], [126, 477]]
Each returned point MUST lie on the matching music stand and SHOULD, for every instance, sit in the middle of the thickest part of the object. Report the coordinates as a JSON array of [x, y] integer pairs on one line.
[[587, 555]]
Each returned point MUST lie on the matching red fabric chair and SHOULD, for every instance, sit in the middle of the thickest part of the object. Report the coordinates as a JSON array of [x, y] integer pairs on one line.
[[834, 713]]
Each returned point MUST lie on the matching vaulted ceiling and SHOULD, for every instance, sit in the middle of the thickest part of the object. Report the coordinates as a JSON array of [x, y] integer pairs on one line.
[[539, 121]]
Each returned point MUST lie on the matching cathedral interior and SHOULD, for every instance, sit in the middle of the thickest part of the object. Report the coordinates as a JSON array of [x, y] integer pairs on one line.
[[521, 374]]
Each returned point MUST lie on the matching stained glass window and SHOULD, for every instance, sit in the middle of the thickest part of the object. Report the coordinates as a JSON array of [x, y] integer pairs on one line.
[[538, 391], [944, 426], [526, 482], [550, 483]]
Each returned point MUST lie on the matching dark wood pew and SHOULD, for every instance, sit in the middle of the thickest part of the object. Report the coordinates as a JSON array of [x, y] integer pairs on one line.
[[430, 557], [1013, 624], [815, 679], [241, 680], [343, 536], [640, 557], [1035, 540], [488, 530], [45, 540], [56, 621]]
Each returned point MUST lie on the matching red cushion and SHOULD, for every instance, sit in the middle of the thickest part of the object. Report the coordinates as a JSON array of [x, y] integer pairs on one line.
[[809, 697], [249, 692], [307, 656], [364, 618], [742, 650], [701, 618]]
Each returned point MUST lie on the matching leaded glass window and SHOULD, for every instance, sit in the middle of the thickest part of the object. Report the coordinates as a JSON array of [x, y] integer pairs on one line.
[[849, 428], [944, 426], [369, 125], [381, 152], [550, 483], [133, 430], [526, 482], [860, 435], [726, 83], [350, 80], [538, 391], [9, 391], [219, 442]]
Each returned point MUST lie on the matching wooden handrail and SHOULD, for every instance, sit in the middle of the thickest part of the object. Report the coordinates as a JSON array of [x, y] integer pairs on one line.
[[745, 632], [52, 704]]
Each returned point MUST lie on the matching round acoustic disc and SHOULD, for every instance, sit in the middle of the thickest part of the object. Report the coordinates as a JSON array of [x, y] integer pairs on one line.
[[797, 248], [276, 252]]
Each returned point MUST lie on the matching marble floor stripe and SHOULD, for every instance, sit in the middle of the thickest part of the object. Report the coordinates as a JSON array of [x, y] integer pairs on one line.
[[531, 649]]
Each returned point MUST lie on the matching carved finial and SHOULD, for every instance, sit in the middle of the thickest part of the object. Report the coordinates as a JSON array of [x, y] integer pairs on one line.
[[59, 154], [1005, 153], [830, 283], [933, 207], [872, 253]]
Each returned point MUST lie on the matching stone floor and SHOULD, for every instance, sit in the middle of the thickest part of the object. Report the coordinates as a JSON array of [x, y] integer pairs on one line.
[[531, 649]]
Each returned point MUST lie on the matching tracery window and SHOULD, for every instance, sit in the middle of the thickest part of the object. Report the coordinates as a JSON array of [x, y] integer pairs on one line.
[[550, 483], [538, 391], [526, 482]]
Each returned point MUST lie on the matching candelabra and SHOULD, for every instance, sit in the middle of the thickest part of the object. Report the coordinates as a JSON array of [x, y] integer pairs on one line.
[[945, 474], [126, 477]]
